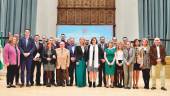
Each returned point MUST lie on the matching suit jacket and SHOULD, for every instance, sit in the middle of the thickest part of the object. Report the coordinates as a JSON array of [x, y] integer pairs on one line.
[[38, 50], [79, 53], [72, 54], [63, 58], [45, 56], [131, 56], [145, 54], [153, 54], [102, 50], [29, 48]]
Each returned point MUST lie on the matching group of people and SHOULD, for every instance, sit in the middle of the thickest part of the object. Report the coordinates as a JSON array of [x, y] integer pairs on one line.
[[114, 64]]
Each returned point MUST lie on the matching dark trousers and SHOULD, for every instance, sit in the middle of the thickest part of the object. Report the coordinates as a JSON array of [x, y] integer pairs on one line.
[[49, 77], [38, 73], [52, 80], [102, 74], [11, 71], [71, 72], [61, 76], [146, 77], [17, 75], [26, 63], [119, 77]]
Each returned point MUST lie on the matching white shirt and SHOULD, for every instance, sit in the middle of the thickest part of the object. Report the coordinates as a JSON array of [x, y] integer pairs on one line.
[[158, 51], [73, 48], [26, 42], [37, 44], [119, 55], [82, 48]]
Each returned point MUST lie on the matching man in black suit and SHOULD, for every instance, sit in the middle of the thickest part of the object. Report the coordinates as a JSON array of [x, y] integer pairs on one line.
[[101, 68], [72, 66], [37, 57]]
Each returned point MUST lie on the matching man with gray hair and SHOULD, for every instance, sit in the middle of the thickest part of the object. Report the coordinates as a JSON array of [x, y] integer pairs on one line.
[[157, 58], [62, 64], [72, 66]]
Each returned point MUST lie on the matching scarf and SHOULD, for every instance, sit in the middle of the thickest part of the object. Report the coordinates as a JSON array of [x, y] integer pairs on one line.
[[96, 57]]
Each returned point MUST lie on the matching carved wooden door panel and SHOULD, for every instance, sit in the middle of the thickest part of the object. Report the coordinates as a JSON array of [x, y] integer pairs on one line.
[[86, 12]]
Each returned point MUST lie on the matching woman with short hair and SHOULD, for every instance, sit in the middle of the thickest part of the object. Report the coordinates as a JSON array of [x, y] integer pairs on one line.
[[110, 65], [11, 60]]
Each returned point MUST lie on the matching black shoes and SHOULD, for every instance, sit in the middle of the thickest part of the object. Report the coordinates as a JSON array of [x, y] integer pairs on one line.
[[28, 85], [127, 88], [38, 84], [71, 84], [11, 86], [90, 84], [94, 84], [22, 85], [153, 88], [48, 85], [120, 86], [99, 85], [163, 88], [8, 86], [146, 87]]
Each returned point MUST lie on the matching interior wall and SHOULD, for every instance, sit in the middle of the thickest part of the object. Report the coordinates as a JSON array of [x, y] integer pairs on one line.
[[46, 17], [127, 23]]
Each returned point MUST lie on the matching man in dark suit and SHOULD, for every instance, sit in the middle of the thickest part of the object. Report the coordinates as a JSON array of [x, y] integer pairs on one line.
[[44, 42], [72, 66], [63, 39], [27, 47], [37, 57], [101, 68]]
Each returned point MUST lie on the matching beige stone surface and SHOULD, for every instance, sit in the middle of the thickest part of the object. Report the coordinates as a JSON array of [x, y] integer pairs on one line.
[[74, 91]]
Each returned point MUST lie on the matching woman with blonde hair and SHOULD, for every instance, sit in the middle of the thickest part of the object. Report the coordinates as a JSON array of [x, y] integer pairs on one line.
[[146, 65], [109, 56], [49, 59], [80, 53], [119, 64], [11, 60]]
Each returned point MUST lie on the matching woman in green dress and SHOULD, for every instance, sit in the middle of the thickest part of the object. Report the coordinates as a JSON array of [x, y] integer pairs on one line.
[[80, 64], [109, 56]]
